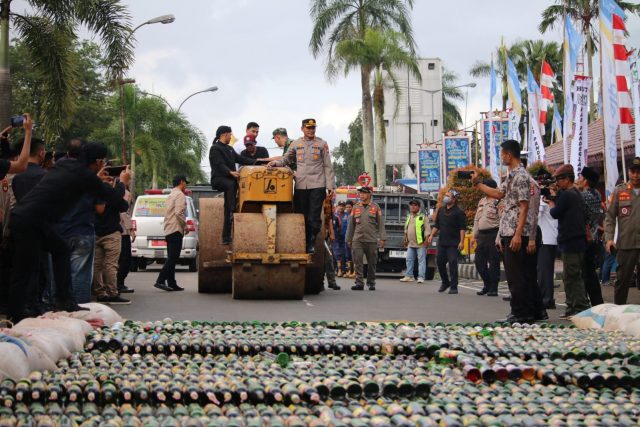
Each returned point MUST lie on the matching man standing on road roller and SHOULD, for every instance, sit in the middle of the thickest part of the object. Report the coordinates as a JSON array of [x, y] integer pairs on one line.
[[314, 176], [365, 229], [224, 176]]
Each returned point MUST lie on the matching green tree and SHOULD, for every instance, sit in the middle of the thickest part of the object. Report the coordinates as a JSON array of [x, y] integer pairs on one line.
[[93, 109], [338, 20], [451, 118], [384, 52], [585, 14], [48, 30], [348, 156]]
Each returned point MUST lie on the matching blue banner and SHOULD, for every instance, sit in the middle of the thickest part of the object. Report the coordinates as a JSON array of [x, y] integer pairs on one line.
[[457, 152], [429, 170], [501, 132]]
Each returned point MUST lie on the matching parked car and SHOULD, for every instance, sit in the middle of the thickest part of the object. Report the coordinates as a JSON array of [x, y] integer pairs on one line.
[[148, 221]]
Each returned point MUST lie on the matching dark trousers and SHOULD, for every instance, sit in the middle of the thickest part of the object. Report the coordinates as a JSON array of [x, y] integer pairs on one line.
[[515, 266], [546, 273], [329, 268], [531, 275], [487, 260], [230, 188], [627, 261], [309, 203], [29, 242], [168, 272], [589, 275], [448, 255], [124, 262], [359, 251]]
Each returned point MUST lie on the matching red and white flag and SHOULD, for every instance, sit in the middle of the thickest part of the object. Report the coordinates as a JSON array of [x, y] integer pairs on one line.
[[623, 74], [547, 79]]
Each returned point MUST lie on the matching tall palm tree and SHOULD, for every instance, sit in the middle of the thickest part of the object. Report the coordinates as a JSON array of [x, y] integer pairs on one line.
[[483, 68], [451, 118], [384, 52], [585, 13], [339, 20], [49, 28]]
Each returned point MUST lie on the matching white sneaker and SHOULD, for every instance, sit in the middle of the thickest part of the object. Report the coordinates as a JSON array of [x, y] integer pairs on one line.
[[407, 279], [420, 280]]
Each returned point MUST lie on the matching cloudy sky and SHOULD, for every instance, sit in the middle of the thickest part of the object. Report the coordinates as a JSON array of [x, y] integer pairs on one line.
[[256, 52]]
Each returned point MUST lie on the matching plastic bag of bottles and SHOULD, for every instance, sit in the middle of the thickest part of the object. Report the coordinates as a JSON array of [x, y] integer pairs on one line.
[[101, 312], [620, 317], [13, 360]]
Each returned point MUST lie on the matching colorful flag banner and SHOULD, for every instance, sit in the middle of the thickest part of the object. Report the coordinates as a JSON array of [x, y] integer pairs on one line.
[[622, 76], [514, 125], [635, 92], [429, 170], [493, 162], [610, 107], [557, 123], [580, 139], [572, 43], [535, 147], [513, 87], [547, 79], [457, 152]]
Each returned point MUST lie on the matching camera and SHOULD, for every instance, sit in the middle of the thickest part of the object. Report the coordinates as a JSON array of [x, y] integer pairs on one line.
[[465, 174], [17, 121], [115, 171]]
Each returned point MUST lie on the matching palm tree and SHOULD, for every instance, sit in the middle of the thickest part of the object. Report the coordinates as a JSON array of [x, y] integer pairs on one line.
[[384, 52], [339, 20], [483, 68], [452, 120], [49, 29], [585, 13]]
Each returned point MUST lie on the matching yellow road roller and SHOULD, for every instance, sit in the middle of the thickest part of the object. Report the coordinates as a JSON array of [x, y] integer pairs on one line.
[[267, 259]]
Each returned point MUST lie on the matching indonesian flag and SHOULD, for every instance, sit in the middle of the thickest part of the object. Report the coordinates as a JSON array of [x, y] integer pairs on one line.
[[395, 173], [623, 73], [547, 78]]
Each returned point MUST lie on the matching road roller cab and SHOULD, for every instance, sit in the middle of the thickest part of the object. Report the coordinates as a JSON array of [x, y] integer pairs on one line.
[[267, 259]]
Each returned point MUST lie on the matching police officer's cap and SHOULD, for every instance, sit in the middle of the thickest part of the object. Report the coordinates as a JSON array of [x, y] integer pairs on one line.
[[414, 202], [364, 189], [309, 123], [341, 203], [635, 163]]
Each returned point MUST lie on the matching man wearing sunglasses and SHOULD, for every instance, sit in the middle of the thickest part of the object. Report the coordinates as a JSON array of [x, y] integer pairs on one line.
[[314, 177]]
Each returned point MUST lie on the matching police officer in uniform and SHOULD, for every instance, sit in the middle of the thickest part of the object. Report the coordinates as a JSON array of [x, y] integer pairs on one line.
[[314, 176], [365, 229], [625, 208]]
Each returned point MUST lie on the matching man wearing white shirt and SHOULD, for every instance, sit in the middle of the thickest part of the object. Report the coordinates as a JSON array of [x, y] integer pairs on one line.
[[547, 251], [252, 129]]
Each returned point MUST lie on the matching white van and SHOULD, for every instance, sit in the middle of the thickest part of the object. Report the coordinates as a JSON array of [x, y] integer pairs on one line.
[[148, 221]]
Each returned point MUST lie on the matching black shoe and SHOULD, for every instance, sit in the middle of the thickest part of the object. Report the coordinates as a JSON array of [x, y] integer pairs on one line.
[[372, 287], [484, 291], [492, 294], [567, 315], [175, 288], [541, 316], [357, 288], [453, 291], [227, 241], [162, 287], [513, 319], [126, 290], [335, 287], [69, 306], [311, 248], [550, 306], [443, 288], [507, 298], [118, 300]]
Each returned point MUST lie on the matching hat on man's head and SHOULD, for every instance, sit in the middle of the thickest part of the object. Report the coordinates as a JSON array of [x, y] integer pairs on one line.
[[364, 189], [309, 123], [635, 163], [222, 130], [279, 131], [414, 202], [178, 179], [590, 174], [564, 170], [342, 203], [249, 139]]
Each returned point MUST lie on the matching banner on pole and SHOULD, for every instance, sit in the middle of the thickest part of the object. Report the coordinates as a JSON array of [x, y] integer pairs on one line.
[[501, 134], [457, 152], [429, 170], [635, 94], [535, 148], [514, 124], [580, 139]]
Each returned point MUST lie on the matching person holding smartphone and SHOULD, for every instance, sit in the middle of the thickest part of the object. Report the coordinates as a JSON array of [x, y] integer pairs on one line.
[[19, 165]]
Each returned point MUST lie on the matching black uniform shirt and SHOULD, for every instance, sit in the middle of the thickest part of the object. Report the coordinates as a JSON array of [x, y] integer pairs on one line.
[[261, 153], [109, 221], [223, 159], [24, 182], [449, 222], [4, 167]]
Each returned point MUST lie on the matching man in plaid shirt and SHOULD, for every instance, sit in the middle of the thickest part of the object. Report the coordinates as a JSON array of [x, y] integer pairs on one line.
[[587, 181]]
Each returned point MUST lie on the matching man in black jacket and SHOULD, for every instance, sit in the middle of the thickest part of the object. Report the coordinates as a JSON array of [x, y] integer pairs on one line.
[[224, 176], [33, 220], [24, 182], [569, 209]]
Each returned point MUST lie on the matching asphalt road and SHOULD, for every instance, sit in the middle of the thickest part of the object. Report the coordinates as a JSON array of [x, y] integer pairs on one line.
[[392, 300]]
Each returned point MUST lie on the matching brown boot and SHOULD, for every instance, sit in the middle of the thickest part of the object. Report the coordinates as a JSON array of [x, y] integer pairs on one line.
[[351, 274], [339, 273]]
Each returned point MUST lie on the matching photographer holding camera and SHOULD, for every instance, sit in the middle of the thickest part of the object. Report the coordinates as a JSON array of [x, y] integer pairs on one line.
[[569, 209], [549, 241]]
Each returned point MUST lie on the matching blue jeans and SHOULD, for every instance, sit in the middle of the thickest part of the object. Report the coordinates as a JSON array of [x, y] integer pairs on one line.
[[421, 254], [82, 249], [610, 265]]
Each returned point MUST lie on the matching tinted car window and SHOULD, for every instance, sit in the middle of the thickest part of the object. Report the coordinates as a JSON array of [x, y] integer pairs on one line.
[[393, 209]]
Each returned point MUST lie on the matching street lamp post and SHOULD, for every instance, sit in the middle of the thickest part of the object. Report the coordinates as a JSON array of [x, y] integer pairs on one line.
[[433, 115], [210, 89]]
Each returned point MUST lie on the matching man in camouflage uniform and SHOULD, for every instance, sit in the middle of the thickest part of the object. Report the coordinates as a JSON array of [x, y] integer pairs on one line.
[[314, 178], [625, 208], [366, 228], [282, 139], [514, 230]]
